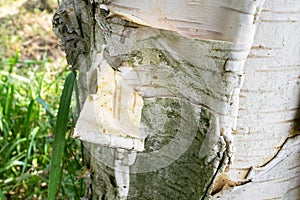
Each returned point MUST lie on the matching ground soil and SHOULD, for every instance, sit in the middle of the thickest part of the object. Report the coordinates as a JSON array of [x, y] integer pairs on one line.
[[28, 29]]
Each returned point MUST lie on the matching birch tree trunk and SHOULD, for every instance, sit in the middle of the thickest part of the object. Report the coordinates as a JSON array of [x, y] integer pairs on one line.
[[164, 111]]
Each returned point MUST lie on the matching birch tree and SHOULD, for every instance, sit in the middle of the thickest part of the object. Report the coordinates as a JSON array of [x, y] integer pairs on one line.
[[186, 99]]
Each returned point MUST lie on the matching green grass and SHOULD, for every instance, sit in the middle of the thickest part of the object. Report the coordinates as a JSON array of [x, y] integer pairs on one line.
[[30, 93], [60, 136]]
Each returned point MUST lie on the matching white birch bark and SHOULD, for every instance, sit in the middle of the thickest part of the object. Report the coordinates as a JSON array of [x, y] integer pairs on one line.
[[160, 83], [266, 142]]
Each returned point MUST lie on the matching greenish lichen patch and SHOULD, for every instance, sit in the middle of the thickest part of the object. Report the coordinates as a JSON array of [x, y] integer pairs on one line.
[[162, 118], [148, 56], [189, 175]]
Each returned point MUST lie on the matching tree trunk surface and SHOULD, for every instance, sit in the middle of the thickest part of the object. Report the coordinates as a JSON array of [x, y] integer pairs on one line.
[[186, 99]]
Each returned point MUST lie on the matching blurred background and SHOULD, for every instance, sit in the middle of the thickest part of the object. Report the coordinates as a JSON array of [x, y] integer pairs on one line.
[[32, 72]]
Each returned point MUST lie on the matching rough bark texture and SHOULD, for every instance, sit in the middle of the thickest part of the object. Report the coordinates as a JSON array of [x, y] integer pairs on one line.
[[191, 89]]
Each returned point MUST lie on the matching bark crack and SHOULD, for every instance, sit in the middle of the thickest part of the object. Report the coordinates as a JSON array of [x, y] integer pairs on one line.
[[220, 166], [250, 170], [279, 149], [93, 39]]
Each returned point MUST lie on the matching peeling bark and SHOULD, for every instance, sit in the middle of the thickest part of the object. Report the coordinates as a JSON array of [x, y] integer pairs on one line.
[[186, 140], [278, 179], [268, 122]]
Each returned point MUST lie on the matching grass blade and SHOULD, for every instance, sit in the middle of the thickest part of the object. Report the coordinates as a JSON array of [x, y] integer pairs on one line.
[[15, 76], [9, 99], [45, 106], [34, 133], [60, 135], [2, 196]]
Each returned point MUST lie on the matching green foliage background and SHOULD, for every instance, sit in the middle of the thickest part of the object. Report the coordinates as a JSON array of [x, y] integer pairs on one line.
[[32, 72]]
